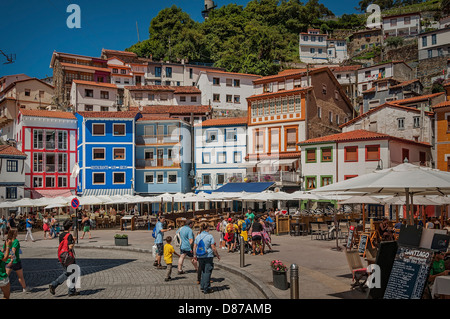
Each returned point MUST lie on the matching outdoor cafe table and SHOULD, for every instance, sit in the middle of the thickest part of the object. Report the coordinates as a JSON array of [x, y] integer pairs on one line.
[[441, 286], [127, 219]]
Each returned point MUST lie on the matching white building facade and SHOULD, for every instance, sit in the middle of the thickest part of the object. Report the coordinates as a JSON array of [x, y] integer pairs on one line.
[[315, 47], [93, 96], [225, 90], [402, 25], [220, 147]]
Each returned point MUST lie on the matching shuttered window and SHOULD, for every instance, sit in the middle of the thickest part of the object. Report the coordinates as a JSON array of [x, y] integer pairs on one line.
[[311, 155], [291, 139], [326, 154], [351, 154], [372, 152]]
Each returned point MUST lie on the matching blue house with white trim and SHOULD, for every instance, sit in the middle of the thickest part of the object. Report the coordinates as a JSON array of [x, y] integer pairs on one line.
[[220, 150], [106, 153], [163, 155]]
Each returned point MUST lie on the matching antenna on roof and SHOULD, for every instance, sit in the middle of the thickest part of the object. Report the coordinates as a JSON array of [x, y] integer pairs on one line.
[[10, 58]]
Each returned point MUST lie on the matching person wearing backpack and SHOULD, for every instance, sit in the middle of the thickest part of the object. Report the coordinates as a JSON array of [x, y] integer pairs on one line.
[[204, 252], [66, 245]]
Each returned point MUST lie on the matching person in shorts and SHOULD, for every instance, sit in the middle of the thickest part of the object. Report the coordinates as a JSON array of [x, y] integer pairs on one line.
[[86, 222], [4, 278], [187, 241], [14, 262], [159, 241]]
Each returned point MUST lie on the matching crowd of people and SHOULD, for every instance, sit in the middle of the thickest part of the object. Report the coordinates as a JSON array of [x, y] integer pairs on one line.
[[201, 248]]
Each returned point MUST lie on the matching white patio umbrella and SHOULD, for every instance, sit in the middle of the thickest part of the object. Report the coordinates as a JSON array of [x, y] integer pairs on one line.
[[404, 179], [359, 199], [302, 195]]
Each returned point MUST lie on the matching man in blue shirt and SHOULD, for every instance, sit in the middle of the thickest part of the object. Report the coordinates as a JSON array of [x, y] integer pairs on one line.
[[159, 241], [187, 241], [29, 225], [205, 261]]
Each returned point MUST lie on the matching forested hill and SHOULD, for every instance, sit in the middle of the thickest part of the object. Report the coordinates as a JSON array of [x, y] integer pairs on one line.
[[248, 39]]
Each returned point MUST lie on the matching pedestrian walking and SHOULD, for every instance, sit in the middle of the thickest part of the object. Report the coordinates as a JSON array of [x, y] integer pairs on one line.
[[86, 223], [4, 278], [46, 227], [187, 242], [230, 235], [11, 222], [204, 252], [29, 222], [169, 251], [159, 240], [3, 223], [14, 262], [67, 246], [257, 236]]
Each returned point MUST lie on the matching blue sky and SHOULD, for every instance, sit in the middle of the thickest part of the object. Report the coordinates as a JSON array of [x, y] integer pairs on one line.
[[34, 29]]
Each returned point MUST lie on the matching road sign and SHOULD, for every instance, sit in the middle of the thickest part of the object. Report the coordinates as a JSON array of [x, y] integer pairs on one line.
[[75, 203]]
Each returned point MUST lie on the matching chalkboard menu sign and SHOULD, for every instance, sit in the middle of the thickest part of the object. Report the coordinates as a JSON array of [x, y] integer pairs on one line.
[[363, 243], [409, 273], [351, 230]]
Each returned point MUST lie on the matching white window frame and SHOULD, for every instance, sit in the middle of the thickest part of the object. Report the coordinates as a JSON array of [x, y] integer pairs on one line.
[[152, 174], [124, 154], [172, 174], [160, 174], [124, 178], [104, 178], [104, 153], [104, 129], [124, 129]]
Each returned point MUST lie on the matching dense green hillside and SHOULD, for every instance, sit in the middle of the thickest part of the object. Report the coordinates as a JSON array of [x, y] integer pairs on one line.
[[248, 39]]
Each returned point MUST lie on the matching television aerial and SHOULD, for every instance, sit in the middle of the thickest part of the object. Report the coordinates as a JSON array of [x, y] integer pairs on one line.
[[10, 58]]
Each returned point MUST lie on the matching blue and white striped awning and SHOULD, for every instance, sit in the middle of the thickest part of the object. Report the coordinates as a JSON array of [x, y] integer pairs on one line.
[[107, 192]]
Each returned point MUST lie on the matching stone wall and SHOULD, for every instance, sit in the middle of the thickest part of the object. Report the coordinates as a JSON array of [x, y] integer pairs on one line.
[[428, 69], [221, 113]]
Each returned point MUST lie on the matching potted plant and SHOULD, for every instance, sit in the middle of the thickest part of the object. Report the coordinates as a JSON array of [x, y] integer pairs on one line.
[[279, 272], [121, 240]]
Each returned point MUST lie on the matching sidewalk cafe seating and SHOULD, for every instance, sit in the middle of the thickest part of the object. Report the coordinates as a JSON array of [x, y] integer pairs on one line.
[[359, 272], [343, 231], [324, 231], [315, 230]]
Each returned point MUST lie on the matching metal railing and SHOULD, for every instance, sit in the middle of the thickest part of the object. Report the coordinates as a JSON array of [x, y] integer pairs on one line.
[[157, 139], [158, 163]]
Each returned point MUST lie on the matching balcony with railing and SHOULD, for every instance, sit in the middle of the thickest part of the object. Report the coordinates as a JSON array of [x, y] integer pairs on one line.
[[157, 139], [160, 163]]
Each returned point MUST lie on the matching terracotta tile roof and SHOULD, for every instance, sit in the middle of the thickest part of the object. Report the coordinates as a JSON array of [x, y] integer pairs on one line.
[[404, 83], [228, 121], [375, 109], [174, 109], [282, 74], [119, 52], [357, 135], [442, 104], [417, 98], [94, 68], [233, 73], [345, 68], [121, 115], [165, 88], [149, 117], [45, 113], [101, 84], [10, 150], [274, 156]]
